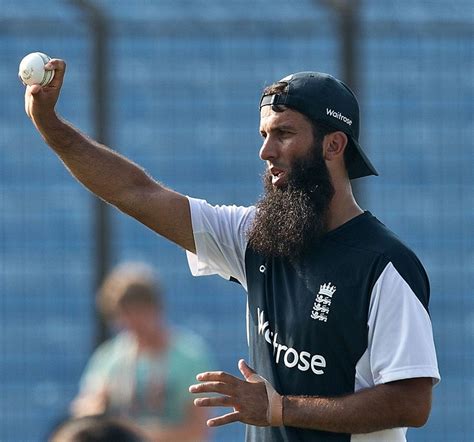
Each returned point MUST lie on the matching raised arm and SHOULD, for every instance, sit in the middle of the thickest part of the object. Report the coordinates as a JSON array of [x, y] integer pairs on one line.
[[106, 173]]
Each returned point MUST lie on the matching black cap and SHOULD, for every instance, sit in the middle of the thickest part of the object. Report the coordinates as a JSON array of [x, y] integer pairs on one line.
[[324, 98]]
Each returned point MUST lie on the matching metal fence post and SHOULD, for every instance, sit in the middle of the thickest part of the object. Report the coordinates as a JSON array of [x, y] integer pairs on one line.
[[97, 22], [348, 24]]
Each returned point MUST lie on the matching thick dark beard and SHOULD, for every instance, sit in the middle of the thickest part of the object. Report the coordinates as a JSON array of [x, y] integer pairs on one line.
[[291, 220]]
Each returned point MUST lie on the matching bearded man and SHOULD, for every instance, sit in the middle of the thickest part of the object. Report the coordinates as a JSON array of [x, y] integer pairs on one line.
[[340, 339]]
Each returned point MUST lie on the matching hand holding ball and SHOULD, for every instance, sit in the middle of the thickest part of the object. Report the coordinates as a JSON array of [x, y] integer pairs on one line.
[[32, 69], [37, 70]]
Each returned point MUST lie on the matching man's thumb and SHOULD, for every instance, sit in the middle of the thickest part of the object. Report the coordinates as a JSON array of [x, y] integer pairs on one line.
[[245, 369]]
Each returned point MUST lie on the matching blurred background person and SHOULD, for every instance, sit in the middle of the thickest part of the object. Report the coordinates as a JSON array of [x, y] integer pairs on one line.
[[96, 429], [144, 371]]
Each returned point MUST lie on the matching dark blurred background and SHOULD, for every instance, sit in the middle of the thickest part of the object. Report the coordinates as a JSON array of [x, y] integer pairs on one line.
[[174, 85]]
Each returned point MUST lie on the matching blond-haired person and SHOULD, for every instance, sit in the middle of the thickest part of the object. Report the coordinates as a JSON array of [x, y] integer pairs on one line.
[[144, 371]]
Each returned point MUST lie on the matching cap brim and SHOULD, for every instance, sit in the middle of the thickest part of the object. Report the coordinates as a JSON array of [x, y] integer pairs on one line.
[[360, 165]]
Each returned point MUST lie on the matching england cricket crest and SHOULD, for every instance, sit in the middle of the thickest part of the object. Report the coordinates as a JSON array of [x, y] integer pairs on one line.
[[323, 302]]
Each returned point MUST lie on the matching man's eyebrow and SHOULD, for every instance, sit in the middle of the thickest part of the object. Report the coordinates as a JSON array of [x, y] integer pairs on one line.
[[281, 127], [288, 127]]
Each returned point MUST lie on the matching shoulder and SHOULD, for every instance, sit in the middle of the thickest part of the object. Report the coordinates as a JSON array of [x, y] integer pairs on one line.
[[367, 235], [377, 247], [107, 354], [391, 248], [203, 213], [187, 345], [109, 345], [113, 346]]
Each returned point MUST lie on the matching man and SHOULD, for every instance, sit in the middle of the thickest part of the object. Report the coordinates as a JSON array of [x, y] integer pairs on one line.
[[142, 374], [339, 333]]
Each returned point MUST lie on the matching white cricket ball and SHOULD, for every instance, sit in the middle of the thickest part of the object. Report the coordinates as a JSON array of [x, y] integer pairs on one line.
[[32, 69]]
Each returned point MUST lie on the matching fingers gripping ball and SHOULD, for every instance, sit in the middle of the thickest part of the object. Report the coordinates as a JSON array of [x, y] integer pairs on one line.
[[32, 69]]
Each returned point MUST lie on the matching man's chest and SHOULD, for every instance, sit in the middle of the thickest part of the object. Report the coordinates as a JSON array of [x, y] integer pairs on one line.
[[308, 320]]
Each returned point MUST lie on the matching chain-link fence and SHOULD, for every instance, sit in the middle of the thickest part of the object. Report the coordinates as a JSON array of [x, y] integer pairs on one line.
[[184, 80]]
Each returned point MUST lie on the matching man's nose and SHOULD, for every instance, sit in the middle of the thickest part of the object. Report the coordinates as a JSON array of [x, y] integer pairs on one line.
[[269, 150]]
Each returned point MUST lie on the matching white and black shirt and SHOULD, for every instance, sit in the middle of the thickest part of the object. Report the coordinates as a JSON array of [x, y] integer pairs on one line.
[[351, 315]]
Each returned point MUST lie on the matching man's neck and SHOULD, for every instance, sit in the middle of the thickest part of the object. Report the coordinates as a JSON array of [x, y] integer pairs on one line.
[[343, 206]]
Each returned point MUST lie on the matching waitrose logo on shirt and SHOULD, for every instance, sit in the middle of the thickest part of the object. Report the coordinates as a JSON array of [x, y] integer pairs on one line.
[[291, 357]]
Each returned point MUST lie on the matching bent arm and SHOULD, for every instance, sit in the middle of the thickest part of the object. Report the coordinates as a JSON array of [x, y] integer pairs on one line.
[[405, 403]]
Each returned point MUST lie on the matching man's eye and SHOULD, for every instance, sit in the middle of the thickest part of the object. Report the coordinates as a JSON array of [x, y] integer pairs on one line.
[[263, 134]]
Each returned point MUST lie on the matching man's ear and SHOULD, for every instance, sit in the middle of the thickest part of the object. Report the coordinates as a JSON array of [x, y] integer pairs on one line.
[[335, 144]]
